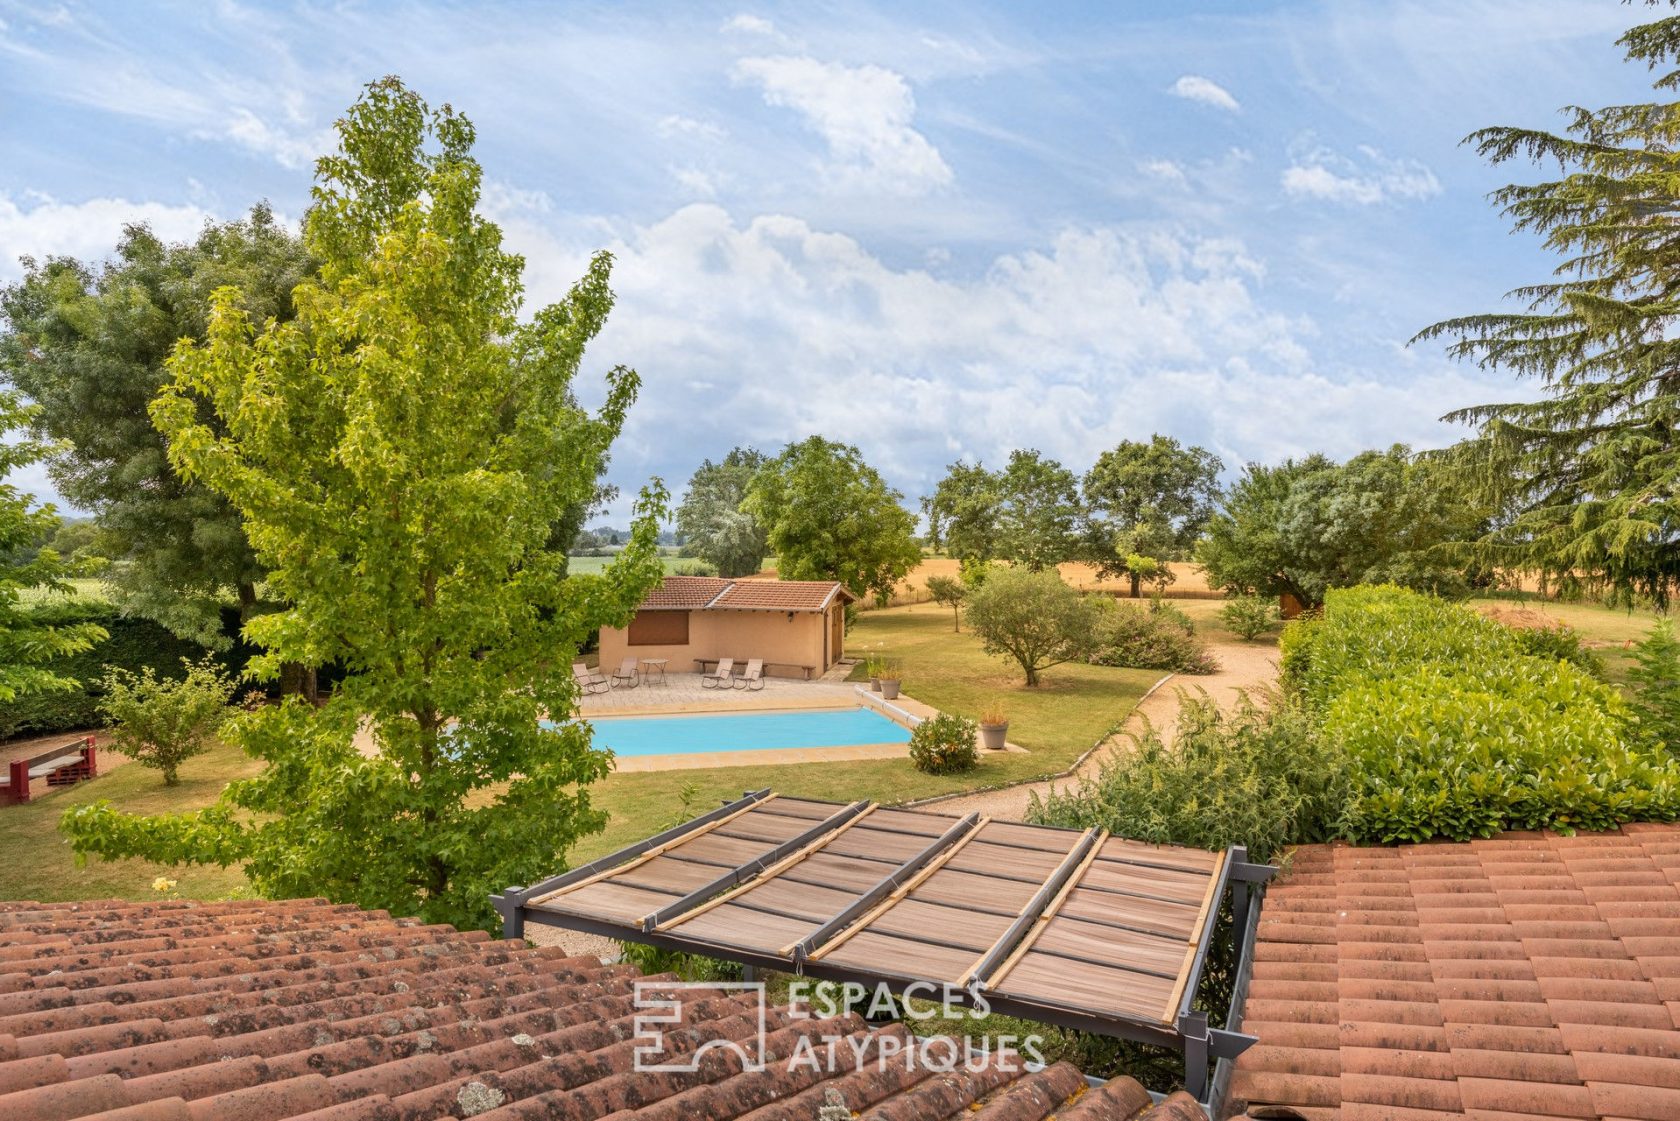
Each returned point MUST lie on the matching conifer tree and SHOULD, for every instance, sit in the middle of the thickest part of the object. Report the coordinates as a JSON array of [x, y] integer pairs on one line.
[[1590, 472]]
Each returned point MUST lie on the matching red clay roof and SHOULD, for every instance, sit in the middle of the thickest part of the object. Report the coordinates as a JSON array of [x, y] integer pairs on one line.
[[1527, 976], [253, 1011], [693, 593]]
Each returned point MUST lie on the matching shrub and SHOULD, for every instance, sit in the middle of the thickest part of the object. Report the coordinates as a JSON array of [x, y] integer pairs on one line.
[[1034, 618], [1249, 616], [1261, 777], [1451, 729], [160, 722], [693, 568], [1171, 613], [944, 745], [1656, 682], [1135, 638]]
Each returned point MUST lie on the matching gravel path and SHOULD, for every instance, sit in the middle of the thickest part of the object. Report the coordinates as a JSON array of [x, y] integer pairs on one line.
[[1242, 665]]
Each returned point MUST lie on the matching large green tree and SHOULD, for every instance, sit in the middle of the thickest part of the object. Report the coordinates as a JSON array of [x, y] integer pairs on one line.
[[713, 525], [1038, 511], [1311, 524], [400, 453], [962, 512], [26, 644], [831, 516], [87, 345], [1148, 498], [1591, 470]]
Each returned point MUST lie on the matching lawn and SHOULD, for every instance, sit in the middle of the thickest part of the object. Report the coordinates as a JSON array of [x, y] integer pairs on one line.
[[1608, 630], [1057, 722]]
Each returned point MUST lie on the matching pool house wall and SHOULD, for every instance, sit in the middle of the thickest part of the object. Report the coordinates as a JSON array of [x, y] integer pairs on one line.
[[790, 638]]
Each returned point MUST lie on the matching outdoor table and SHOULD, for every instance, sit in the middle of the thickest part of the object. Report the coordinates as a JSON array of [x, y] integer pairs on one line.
[[653, 670]]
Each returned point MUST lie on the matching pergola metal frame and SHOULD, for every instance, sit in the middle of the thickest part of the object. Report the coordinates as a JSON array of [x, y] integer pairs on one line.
[[1189, 1032]]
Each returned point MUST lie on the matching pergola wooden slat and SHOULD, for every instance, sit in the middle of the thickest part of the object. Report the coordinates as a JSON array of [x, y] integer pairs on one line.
[[1073, 928]]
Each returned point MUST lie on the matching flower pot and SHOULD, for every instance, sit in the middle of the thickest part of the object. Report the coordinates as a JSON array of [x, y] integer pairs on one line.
[[889, 689], [874, 684], [992, 736]]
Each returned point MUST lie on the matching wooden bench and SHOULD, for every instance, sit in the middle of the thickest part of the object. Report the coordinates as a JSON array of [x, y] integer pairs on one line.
[[70, 763], [706, 664]]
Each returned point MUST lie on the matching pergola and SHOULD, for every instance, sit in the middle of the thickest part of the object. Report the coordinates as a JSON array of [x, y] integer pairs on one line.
[[1059, 926]]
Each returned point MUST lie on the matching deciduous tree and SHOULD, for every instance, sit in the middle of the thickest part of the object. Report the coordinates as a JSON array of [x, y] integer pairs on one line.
[[1034, 618], [1149, 498], [1038, 511], [949, 591], [26, 644], [962, 512], [830, 516], [400, 453], [87, 344], [711, 520]]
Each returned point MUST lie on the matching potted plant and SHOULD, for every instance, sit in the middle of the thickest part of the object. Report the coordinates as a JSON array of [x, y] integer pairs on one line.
[[872, 666], [994, 728], [889, 679]]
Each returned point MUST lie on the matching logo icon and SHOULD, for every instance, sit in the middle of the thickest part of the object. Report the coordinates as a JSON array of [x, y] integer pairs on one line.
[[660, 1007]]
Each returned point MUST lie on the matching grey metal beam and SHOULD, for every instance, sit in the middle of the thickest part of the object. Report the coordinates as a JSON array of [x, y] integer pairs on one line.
[[882, 888], [1034, 908]]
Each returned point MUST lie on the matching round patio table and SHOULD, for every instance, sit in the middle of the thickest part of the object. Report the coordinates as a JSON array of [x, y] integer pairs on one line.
[[653, 670]]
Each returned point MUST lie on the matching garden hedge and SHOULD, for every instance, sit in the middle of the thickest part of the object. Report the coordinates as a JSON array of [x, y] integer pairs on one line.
[[134, 644], [1451, 729]]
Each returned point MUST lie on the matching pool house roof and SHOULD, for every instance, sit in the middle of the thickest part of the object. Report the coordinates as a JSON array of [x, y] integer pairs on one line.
[[712, 593], [1061, 926]]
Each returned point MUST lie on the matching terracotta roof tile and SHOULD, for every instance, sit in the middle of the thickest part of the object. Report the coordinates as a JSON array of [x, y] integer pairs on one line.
[[306, 1011], [693, 593], [1526, 976]]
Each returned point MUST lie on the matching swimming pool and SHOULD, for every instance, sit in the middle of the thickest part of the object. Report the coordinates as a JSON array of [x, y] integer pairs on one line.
[[744, 731]]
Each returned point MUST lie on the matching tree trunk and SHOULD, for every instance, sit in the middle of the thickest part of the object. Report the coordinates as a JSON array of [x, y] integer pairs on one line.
[[956, 619]]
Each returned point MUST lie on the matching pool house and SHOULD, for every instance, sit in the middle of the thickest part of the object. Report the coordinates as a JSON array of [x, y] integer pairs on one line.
[[798, 627]]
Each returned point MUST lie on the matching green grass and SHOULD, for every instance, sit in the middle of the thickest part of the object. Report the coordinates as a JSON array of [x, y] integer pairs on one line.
[[1075, 707], [82, 587], [38, 863], [1606, 629]]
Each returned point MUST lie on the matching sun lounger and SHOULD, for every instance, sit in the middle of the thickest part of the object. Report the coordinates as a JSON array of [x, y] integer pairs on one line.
[[627, 675], [588, 680], [720, 678], [753, 678]]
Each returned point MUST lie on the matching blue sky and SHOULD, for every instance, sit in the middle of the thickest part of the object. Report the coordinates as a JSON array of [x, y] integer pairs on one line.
[[932, 230]]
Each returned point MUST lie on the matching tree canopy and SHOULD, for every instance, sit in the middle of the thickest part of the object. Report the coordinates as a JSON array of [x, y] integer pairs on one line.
[[1038, 511], [27, 644], [400, 453], [962, 512], [711, 521], [88, 345], [830, 516], [1149, 498], [1311, 524], [1591, 469], [1034, 618]]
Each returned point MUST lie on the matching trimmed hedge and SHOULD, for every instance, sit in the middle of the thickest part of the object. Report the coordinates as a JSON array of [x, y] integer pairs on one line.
[[1452, 730], [134, 645]]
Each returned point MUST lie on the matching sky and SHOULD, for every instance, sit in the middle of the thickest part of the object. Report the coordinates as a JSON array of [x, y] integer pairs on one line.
[[936, 231]]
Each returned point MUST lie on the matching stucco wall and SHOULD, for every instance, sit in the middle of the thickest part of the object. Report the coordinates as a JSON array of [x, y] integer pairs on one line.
[[770, 635]]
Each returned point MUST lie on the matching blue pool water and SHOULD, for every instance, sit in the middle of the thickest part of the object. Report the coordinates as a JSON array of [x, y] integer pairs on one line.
[[747, 731]]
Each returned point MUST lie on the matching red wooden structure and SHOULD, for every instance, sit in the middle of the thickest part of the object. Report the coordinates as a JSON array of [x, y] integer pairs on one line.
[[60, 766]]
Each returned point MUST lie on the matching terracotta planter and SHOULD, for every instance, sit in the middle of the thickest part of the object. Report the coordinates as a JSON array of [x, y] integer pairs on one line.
[[889, 689], [992, 736]]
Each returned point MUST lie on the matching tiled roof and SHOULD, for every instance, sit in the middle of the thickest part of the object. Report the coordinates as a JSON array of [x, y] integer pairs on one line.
[[685, 592], [691, 593], [249, 1011], [781, 595], [1527, 976]]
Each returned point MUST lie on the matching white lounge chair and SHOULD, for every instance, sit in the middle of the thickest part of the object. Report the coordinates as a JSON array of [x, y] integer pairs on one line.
[[588, 680], [753, 678], [628, 675], [720, 678]]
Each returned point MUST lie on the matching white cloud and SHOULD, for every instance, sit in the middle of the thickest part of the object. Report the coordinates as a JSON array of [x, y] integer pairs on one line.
[[1163, 169], [41, 226], [1320, 173], [749, 24], [768, 330], [698, 181], [864, 113], [1194, 87], [677, 125], [289, 148]]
